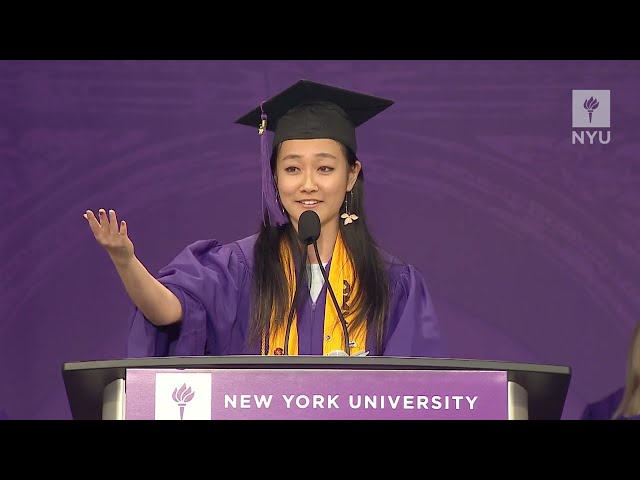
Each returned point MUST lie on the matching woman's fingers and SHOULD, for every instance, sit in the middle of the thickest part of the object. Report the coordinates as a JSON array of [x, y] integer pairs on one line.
[[93, 222], [104, 221], [113, 223], [106, 224]]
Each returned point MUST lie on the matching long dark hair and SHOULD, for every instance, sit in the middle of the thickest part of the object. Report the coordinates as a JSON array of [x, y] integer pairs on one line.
[[270, 289]]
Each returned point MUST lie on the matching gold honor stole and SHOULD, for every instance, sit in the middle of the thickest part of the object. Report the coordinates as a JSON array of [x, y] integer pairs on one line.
[[341, 278]]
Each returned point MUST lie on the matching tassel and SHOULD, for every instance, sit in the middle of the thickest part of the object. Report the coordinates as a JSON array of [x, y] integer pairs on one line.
[[272, 211]]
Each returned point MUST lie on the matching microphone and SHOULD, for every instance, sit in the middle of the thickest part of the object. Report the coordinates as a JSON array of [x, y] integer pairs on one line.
[[308, 231], [308, 227], [310, 220]]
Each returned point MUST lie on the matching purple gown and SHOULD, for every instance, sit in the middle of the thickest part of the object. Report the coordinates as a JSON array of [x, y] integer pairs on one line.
[[213, 283], [604, 408]]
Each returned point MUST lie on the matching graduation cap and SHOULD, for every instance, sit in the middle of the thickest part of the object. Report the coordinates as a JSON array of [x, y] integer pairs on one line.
[[308, 110]]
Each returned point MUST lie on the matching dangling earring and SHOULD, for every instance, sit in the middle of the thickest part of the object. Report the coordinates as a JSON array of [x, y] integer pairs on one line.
[[348, 218]]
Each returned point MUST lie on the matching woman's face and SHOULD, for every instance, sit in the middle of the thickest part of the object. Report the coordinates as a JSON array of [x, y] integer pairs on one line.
[[314, 175]]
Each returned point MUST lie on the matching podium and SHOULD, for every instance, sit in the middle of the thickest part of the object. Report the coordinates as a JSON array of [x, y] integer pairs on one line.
[[314, 388]]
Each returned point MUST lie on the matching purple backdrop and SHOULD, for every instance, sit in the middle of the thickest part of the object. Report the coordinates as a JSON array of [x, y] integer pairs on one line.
[[528, 242]]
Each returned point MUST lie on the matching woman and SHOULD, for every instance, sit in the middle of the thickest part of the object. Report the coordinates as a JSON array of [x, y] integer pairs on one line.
[[232, 299], [623, 403]]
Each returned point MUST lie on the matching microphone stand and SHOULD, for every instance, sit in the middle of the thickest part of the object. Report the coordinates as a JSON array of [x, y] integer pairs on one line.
[[293, 301], [345, 331]]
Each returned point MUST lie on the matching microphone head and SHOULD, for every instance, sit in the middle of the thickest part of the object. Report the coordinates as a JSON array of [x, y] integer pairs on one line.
[[308, 227]]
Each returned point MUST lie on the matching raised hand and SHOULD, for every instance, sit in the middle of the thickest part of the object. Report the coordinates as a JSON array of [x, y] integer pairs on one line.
[[111, 236]]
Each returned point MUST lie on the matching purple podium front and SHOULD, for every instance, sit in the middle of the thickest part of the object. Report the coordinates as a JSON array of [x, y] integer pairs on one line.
[[314, 388]]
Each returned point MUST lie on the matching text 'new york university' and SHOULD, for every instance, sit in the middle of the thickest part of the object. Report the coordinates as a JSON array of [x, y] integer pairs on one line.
[[393, 402]]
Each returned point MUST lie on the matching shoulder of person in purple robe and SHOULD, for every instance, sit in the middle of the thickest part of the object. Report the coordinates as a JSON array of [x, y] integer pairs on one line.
[[201, 251], [604, 408], [3, 415], [398, 269], [245, 247]]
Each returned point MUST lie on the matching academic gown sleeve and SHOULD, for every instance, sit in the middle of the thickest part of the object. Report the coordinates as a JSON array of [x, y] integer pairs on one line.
[[414, 329], [208, 279]]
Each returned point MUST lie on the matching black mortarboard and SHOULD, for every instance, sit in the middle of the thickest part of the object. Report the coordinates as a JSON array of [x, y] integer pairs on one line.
[[308, 110]]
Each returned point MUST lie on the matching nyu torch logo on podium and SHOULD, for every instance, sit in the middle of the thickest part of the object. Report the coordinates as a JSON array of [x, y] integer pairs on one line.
[[591, 117], [182, 396]]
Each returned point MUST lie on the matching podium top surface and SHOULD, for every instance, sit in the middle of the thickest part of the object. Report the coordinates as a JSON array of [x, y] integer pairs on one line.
[[546, 385]]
